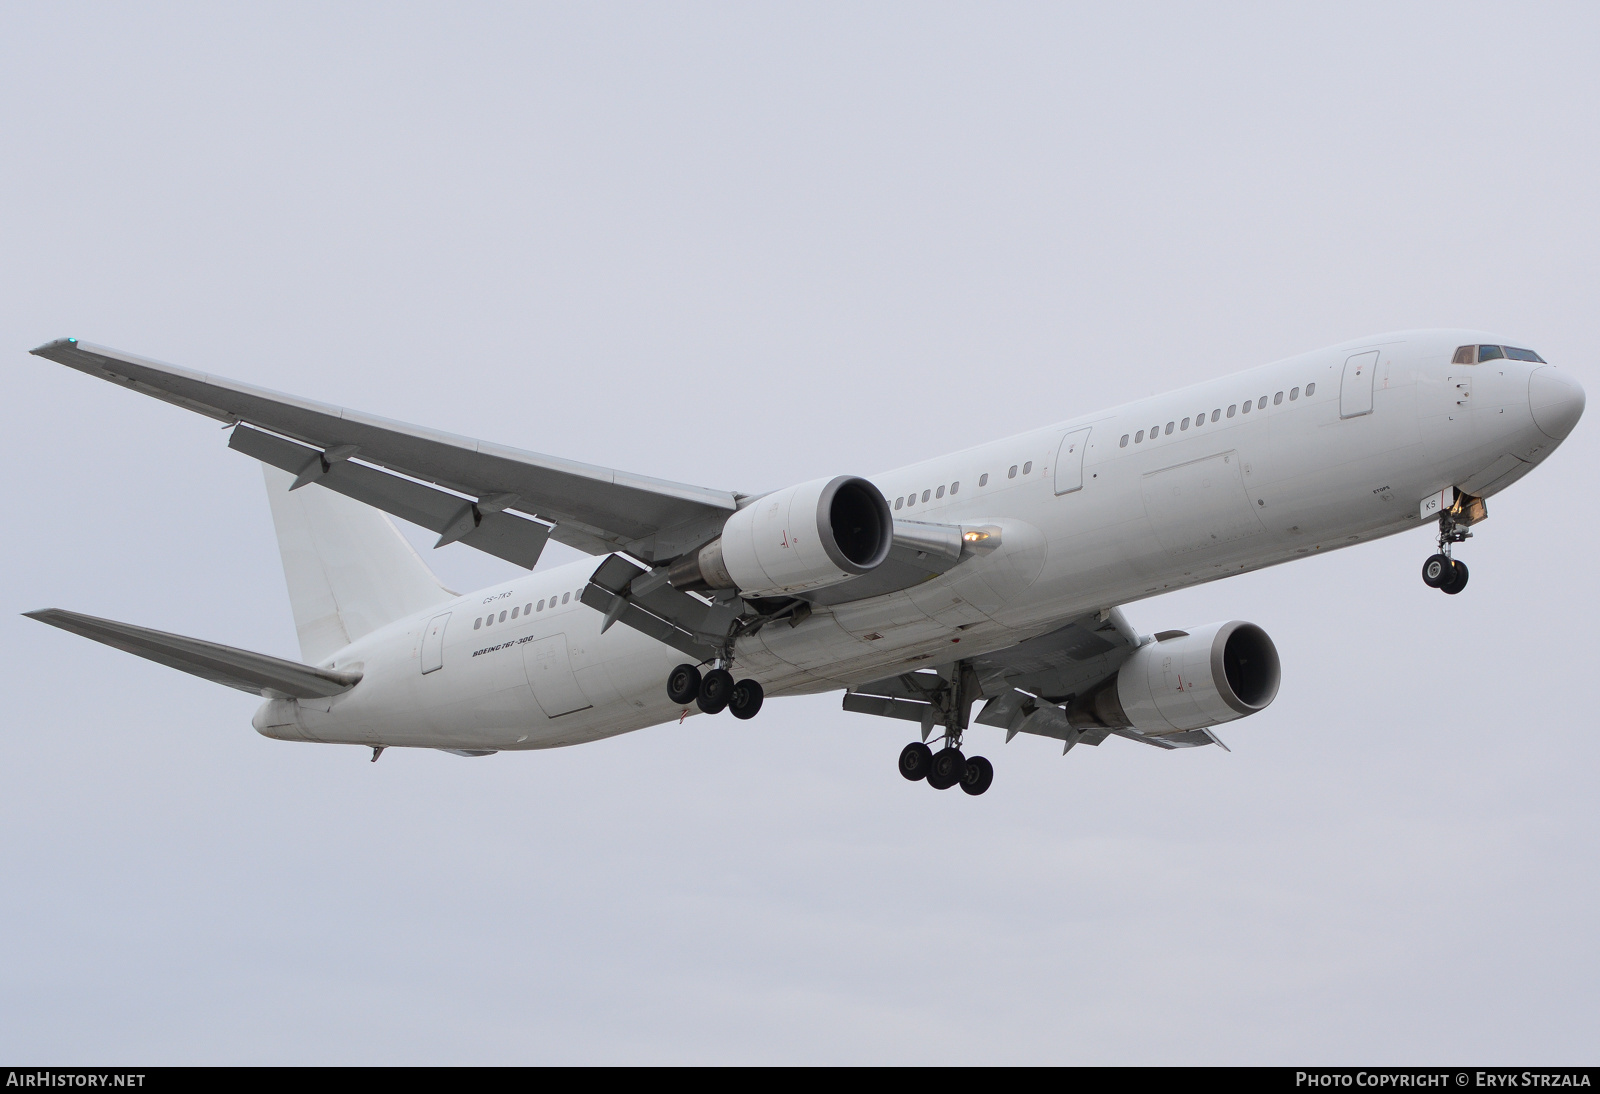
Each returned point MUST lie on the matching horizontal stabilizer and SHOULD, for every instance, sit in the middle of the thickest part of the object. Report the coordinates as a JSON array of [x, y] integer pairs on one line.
[[253, 672]]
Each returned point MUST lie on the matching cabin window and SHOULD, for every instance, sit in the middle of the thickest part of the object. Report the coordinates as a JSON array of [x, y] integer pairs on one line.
[[502, 617], [1311, 389], [1215, 414], [954, 487], [1169, 428], [1154, 431], [477, 623], [1294, 393], [1247, 406], [1200, 418], [1523, 355], [514, 612], [925, 494], [983, 479], [1277, 399], [565, 597], [1027, 468], [939, 493], [1185, 424], [1124, 442], [1138, 438], [1262, 403], [899, 503], [488, 620], [1012, 473], [539, 607], [1233, 407], [1465, 355]]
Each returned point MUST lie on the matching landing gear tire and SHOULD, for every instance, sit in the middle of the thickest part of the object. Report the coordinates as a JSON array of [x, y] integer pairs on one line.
[[745, 700], [916, 760], [978, 775], [683, 686], [1457, 579], [946, 768], [716, 688], [1436, 571]]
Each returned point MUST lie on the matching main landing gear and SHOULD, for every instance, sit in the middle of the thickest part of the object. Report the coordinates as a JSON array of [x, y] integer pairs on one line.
[[951, 706], [1442, 572], [946, 768], [715, 691]]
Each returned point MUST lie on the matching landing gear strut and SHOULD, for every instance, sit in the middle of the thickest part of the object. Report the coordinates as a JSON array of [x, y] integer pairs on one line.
[[714, 691], [948, 767], [1442, 572]]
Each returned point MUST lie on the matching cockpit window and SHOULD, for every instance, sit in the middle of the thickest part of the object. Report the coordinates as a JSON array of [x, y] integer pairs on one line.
[[1465, 355], [1489, 353], [1523, 355]]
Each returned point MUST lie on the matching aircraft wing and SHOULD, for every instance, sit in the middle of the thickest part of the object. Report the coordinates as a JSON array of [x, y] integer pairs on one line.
[[594, 509], [1029, 686], [256, 673]]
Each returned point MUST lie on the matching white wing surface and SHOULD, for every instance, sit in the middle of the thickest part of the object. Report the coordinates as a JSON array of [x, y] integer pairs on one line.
[[473, 482], [1030, 687]]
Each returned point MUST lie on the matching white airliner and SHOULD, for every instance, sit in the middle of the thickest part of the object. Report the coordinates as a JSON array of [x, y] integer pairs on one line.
[[991, 575]]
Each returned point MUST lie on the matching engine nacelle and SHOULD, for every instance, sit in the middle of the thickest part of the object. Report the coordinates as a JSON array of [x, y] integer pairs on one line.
[[1189, 681], [805, 537]]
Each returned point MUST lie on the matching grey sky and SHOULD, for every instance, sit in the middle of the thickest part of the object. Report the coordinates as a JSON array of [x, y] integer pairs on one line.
[[741, 246]]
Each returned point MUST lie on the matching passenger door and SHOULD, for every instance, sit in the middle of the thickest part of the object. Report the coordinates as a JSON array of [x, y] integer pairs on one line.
[[1069, 462], [1355, 393], [433, 644]]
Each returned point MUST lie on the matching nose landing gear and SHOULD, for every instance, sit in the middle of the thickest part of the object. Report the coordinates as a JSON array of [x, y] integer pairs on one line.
[[1442, 572]]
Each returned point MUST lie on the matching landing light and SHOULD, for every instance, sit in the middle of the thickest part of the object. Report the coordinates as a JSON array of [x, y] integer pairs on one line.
[[975, 537]]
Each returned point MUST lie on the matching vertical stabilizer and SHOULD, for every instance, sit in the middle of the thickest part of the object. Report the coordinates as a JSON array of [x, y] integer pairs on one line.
[[349, 570]]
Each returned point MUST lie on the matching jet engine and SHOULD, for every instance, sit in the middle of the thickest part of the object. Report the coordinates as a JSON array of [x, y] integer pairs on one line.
[[1186, 681], [805, 537]]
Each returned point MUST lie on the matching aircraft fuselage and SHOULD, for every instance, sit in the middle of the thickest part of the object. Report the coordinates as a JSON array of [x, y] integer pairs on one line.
[[1306, 455]]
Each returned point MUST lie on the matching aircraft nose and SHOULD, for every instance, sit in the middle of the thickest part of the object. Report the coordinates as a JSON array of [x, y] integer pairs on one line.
[[1556, 400]]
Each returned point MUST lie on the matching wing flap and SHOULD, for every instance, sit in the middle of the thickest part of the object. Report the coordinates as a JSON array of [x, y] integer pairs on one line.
[[664, 613], [256, 673], [504, 535]]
